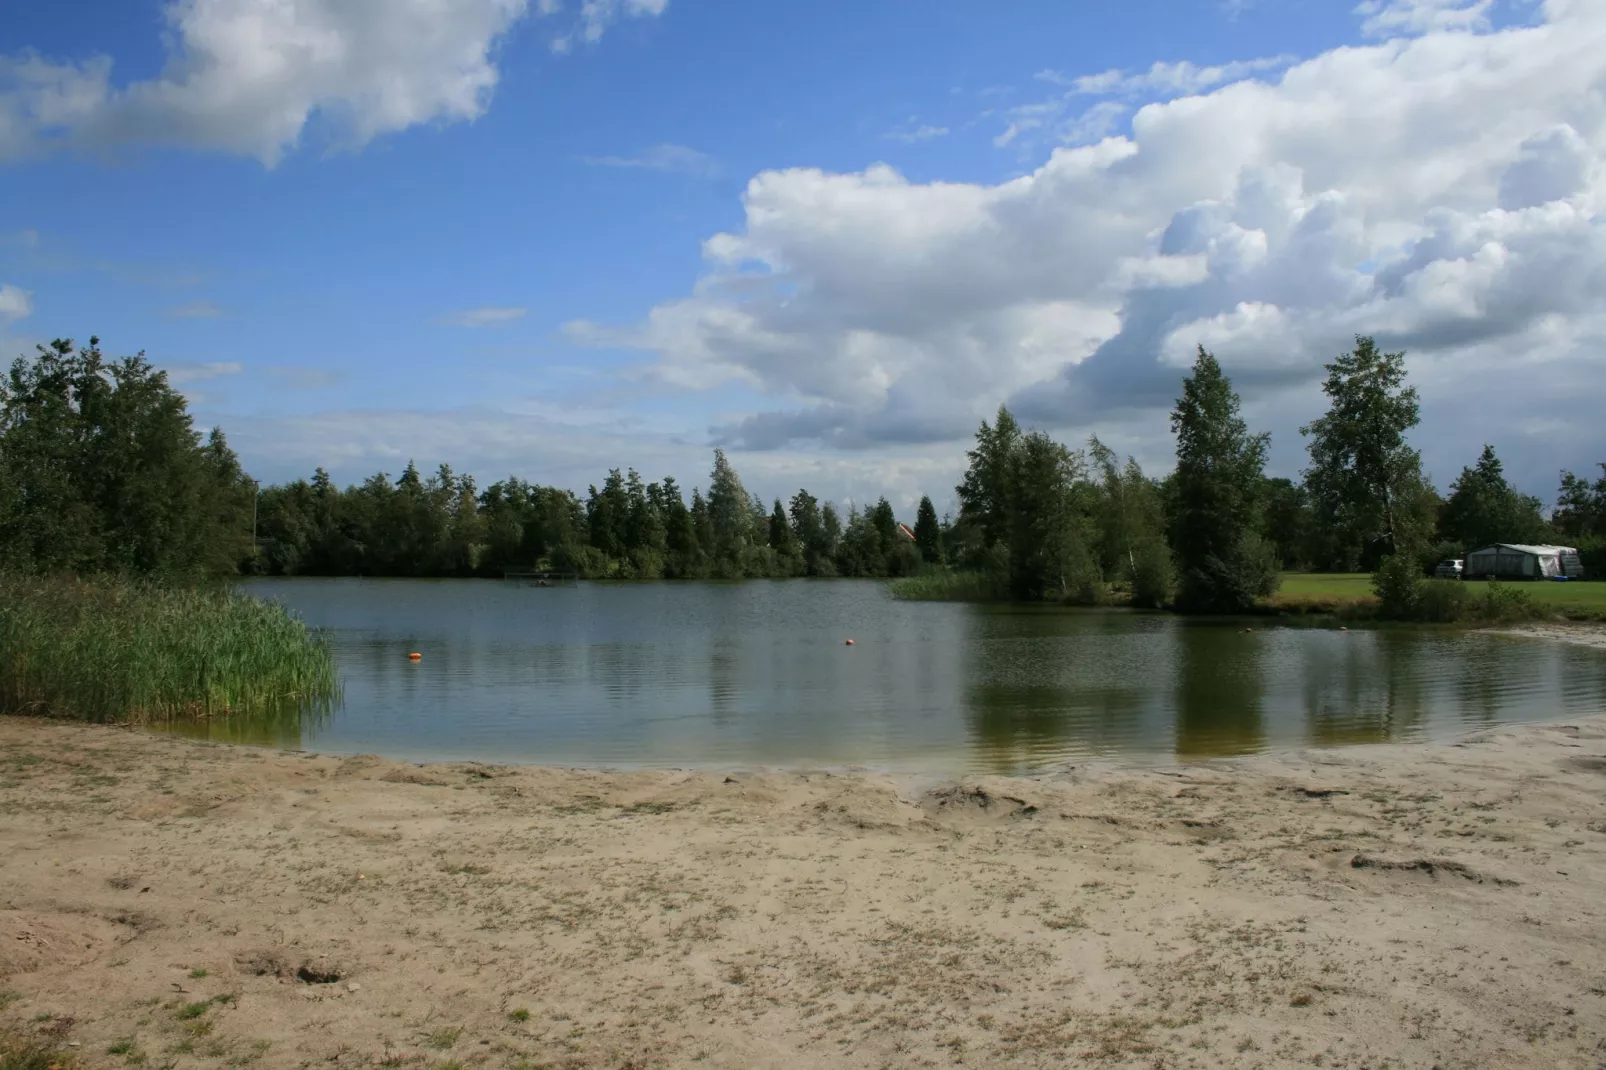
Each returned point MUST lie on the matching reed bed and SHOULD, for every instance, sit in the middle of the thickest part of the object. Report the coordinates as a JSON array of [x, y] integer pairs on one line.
[[130, 651], [945, 587]]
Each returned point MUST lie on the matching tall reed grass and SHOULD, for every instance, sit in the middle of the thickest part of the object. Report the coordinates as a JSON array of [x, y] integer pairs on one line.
[[945, 587], [122, 650]]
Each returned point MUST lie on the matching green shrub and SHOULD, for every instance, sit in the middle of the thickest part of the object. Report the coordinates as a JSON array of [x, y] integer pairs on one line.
[[1503, 602], [1442, 601], [1397, 585], [116, 650], [1153, 575], [1403, 595]]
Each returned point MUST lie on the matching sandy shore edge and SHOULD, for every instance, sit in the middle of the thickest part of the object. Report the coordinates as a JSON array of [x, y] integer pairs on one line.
[[175, 903], [1581, 633]]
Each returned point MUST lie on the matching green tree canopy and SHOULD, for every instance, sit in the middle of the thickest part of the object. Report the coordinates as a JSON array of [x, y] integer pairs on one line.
[[1483, 508], [1581, 506], [101, 469], [1362, 472], [1224, 565], [928, 532]]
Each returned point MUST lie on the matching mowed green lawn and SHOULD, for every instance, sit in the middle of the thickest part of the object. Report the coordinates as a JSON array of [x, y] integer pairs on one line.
[[1590, 596]]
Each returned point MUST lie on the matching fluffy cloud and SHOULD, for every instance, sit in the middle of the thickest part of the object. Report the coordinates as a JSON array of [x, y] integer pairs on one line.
[[15, 303], [248, 76], [1443, 191]]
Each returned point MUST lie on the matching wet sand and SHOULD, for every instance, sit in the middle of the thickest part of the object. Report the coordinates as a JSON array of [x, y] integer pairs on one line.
[[170, 903]]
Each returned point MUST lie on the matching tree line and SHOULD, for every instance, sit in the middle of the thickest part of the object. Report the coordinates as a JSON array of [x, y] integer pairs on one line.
[[444, 525], [101, 470], [1039, 520]]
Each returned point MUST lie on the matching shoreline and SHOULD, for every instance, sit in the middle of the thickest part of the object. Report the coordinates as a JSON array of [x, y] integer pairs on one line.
[[210, 905]]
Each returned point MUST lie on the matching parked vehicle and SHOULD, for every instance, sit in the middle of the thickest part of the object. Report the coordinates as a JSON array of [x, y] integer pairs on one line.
[[1450, 569]]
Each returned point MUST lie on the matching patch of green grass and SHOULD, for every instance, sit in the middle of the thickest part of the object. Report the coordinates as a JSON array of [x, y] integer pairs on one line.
[[197, 973], [115, 650], [442, 1039], [121, 1047], [1338, 592], [522, 1014], [193, 1010]]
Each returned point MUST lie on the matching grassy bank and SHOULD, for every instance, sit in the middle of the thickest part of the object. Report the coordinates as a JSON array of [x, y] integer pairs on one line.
[[1351, 593], [1345, 594], [126, 651]]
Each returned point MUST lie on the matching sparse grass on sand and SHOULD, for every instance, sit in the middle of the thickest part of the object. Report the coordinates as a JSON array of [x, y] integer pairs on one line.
[[120, 650], [19, 1053]]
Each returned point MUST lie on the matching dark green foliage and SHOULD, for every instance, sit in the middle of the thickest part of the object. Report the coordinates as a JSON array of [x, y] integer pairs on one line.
[[1130, 527], [1223, 564], [625, 529], [1580, 514], [1364, 479], [1483, 508], [1397, 584], [985, 494], [928, 532], [101, 470], [1153, 575], [1026, 516], [1290, 524]]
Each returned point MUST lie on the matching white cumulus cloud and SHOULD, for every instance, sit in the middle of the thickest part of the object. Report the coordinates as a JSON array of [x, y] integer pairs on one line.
[[1443, 191], [249, 76], [15, 303]]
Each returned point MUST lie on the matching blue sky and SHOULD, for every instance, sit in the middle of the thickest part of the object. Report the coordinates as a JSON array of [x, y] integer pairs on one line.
[[544, 238]]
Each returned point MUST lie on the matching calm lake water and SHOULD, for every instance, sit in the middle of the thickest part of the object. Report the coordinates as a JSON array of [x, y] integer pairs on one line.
[[757, 674]]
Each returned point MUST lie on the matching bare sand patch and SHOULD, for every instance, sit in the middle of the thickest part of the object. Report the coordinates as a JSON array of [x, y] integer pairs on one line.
[[167, 903]]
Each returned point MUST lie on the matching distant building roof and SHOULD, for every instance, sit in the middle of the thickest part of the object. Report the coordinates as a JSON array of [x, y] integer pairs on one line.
[[1524, 548]]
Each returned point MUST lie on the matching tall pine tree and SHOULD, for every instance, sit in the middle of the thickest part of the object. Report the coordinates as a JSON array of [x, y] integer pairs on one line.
[[1224, 566]]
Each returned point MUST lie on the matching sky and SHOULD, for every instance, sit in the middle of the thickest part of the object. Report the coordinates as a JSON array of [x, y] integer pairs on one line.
[[550, 237]]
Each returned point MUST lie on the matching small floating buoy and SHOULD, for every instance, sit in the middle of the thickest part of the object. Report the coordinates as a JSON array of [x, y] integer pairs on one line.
[[1343, 629], [848, 643], [1248, 629], [415, 657]]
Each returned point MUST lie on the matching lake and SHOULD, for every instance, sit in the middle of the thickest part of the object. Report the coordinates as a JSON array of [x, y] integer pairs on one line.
[[758, 674]]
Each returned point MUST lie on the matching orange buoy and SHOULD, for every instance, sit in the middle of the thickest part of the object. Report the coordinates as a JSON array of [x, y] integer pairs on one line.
[[415, 657], [848, 643]]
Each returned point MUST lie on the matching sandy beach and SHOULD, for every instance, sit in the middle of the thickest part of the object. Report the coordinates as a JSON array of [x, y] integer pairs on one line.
[[169, 903]]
